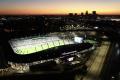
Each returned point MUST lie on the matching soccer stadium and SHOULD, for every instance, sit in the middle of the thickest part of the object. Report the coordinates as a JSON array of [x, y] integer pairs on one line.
[[58, 52], [29, 45]]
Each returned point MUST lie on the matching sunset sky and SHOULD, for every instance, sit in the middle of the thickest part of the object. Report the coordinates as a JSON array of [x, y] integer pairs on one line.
[[59, 6]]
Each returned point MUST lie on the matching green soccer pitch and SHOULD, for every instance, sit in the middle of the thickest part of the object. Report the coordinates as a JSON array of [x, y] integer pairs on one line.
[[39, 47], [90, 41]]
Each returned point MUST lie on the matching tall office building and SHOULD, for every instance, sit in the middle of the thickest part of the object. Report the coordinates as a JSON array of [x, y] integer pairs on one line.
[[82, 13], [75, 14], [94, 12], [70, 14], [86, 13]]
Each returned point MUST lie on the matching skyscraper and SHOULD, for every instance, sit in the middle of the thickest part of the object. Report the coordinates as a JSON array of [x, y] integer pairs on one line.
[[86, 13], [94, 12], [82, 13]]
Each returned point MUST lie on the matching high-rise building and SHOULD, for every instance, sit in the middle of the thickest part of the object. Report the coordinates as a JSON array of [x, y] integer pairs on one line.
[[86, 13], [70, 14], [75, 14], [94, 12], [82, 13]]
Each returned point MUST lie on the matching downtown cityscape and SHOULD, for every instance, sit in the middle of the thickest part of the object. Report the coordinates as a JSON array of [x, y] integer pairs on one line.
[[59, 40]]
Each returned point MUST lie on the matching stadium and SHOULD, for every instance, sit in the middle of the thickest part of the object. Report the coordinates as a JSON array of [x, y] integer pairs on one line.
[[37, 53]]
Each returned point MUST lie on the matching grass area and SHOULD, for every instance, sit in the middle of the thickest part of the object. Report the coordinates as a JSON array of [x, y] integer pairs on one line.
[[90, 41], [39, 47], [36, 48]]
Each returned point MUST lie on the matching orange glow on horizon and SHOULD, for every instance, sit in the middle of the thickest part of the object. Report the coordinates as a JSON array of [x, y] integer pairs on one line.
[[59, 8], [53, 11]]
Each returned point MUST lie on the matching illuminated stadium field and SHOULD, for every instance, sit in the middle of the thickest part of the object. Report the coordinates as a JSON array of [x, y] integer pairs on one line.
[[90, 41], [28, 45]]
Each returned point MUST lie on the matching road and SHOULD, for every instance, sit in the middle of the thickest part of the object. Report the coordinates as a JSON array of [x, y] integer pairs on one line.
[[95, 63]]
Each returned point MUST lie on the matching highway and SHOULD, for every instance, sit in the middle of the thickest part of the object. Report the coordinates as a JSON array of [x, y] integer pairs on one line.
[[95, 63]]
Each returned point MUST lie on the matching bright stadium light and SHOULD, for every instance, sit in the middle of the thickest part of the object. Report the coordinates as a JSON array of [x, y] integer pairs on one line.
[[95, 27], [78, 39], [70, 59]]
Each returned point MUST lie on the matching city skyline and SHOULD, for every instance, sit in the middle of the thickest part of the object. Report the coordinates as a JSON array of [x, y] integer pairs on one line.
[[111, 7]]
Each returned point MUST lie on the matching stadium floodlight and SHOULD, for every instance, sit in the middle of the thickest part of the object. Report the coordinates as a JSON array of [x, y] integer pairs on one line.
[[78, 39], [70, 59], [96, 27]]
